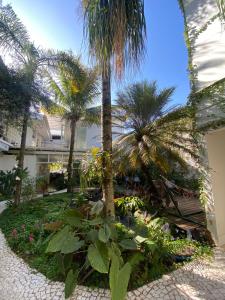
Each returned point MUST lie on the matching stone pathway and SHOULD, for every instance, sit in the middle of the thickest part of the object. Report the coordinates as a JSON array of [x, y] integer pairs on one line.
[[196, 280]]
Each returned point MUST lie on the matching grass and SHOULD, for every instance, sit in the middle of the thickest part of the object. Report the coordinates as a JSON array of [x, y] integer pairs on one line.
[[24, 229]]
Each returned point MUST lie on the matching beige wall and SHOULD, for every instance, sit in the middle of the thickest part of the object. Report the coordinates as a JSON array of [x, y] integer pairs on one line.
[[216, 155]]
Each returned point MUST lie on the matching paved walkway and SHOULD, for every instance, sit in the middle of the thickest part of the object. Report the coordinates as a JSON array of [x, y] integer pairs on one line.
[[196, 280]]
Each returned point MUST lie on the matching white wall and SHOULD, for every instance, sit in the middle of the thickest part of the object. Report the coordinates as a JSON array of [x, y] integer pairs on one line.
[[14, 136], [207, 36], [208, 46], [8, 162]]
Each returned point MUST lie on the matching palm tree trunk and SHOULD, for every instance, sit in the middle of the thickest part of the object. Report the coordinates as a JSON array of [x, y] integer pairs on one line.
[[70, 160], [107, 183], [21, 156]]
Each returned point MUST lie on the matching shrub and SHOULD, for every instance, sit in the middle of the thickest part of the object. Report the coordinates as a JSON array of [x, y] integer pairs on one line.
[[28, 189], [42, 184], [8, 180], [128, 205]]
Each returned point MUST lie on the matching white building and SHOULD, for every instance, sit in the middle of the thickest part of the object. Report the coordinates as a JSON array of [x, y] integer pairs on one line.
[[206, 36], [48, 140]]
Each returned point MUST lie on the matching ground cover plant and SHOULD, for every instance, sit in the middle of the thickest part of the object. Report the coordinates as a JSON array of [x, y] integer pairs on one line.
[[67, 239]]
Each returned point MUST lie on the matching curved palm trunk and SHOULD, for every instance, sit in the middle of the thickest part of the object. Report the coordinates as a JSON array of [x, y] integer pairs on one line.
[[70, 160], [21, 156], [107, 184]]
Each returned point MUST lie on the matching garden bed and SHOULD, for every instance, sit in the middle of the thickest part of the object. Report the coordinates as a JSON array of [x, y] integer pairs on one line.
[[26, 234]]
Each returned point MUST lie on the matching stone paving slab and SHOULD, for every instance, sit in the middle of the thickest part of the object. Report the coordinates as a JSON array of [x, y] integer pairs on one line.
[[196, 280]]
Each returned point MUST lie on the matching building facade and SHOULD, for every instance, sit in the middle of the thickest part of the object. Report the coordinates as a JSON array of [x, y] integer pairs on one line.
[[47, 143], [205, 35]]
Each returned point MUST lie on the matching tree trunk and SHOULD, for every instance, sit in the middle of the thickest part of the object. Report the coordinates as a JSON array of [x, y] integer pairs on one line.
[[70, 160], [21, 156], [107, 183], [149, 179]]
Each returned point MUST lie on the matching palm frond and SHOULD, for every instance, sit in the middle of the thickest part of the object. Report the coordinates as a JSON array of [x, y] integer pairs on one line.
[[13, 34], [155, 134], [116, 30]]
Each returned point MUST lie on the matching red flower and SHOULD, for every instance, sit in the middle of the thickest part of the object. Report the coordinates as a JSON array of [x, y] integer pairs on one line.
[[14, 233], [31, 238]]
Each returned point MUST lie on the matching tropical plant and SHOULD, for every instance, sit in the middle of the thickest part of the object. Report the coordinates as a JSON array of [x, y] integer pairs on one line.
[[104, 245], [91, 168], [15, 40], [116, 34], [8, 180], [28, 189], [128, 205], [11, 94], [75, 89], [154, 133], [42, 183]]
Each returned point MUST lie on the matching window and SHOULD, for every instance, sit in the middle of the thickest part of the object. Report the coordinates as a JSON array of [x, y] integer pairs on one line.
[[56, 137], [81, 138], [42, 158], [55, 158]]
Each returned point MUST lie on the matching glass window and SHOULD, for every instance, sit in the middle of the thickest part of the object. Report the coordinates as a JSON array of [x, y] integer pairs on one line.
[[81, 138], [42, 158], [55, 158]]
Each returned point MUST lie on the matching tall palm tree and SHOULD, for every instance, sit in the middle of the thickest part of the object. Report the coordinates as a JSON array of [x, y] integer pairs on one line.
[[116, 34], [75, 87], [154, 133], [15, 40]]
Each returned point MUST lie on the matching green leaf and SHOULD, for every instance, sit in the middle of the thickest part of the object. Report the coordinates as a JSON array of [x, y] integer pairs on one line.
[[96, 221], [70, 283], [98, 257], [122, 282], [118, 279], [104, 233], [128, 244], [113, 274], [151, 245], [136, 258], [57, 240], [140, 239], [97, 208], [67, 261], [73, 217], [71, 244], [92, 235]]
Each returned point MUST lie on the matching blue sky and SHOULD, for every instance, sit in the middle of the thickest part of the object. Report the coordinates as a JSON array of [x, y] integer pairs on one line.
[[58, 24]]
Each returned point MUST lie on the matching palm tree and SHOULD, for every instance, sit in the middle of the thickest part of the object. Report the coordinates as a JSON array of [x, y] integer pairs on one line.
[[15, 40], [116, 34], [155, 135], [74, 87]]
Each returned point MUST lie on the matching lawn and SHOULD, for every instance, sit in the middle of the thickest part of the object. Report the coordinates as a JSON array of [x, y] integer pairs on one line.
[[27, 234]]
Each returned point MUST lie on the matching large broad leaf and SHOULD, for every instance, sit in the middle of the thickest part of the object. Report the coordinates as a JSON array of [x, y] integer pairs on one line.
[[140, 239], [128, 244], [73, 217], [71, 244], [58, 240], [97, 208], [96, 221], [104, 233], [70, 283], [118, 279], [92, 235], [98, 257]]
